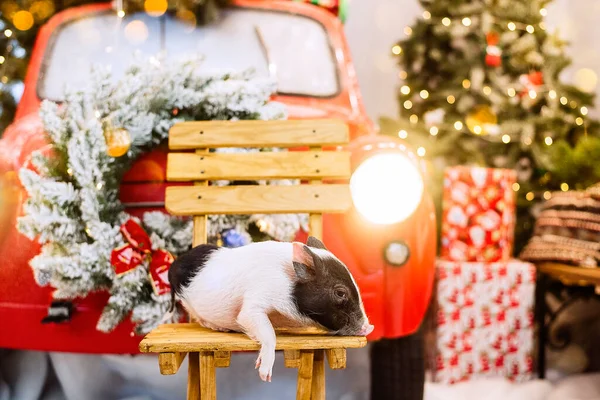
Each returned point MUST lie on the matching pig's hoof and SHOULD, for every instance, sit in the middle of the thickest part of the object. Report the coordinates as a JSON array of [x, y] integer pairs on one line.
[[257, 363], [265, 375]]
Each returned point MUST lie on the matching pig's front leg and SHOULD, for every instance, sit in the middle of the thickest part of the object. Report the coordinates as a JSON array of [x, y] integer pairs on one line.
[[256, 324]]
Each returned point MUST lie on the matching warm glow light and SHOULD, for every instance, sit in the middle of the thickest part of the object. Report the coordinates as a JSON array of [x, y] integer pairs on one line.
[[433, 130], [405, 89], [121, 13], [402, 74], [564, 101], [414, 119], [564, 186], [477, 130], [22, 20], [532, 94], [155, 8], [547, 195], [451, 99], [527, 141], [530, 196], [396, 49], [2, 59], [386, 188], [505, 138], [511, 92], [8, 33], [466, 83], [586, 80], [426, 14], [573, 104], [548, 140], [407, 30], [408, 104], [543, 12], [530, 29], [4, 79], [466, 21], [579, 121], [512, 26], [487, 90], [402, 134], [446, 21], [421, 151], [136, 32], [552, 94], [424, 94], [458, 125], [99, 186], [584, 110], [516, 187]]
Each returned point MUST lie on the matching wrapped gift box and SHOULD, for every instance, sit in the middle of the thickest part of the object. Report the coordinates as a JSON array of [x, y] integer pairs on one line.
[[484, 320], [478, 214]]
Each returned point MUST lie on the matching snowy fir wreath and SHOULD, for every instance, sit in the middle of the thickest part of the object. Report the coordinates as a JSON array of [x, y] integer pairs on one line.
[[73, 209]]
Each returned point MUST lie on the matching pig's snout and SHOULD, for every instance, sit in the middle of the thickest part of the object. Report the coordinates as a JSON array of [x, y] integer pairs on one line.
[[366, 329]]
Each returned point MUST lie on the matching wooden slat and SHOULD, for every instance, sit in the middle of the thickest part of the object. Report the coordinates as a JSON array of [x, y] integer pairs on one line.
[[193, 338], [169, 362], [318, 376], [222, 359], [572, 275], [304, 385], [193, 384], [336, 358], [289, 133], [208, 376], [291, 358], [255, 166], [194, 200]]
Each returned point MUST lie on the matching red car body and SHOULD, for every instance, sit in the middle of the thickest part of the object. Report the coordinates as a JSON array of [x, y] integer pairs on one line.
[[395, 298]]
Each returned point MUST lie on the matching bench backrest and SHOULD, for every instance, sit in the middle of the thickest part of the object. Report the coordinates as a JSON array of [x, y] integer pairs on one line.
[[201, 166]]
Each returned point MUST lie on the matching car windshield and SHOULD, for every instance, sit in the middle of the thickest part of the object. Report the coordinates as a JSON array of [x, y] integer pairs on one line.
[[293, 49]]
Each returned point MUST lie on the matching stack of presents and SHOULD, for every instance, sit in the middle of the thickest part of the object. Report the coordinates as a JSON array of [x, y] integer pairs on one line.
[[485, 298]]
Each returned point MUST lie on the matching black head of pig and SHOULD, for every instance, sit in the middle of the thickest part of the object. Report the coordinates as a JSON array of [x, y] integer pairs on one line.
[[326, 292]]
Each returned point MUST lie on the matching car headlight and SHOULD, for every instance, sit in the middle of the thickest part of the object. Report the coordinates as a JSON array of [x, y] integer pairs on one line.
[[386, 188]]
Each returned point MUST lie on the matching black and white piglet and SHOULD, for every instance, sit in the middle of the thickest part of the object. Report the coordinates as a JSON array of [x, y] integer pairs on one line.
[[260, 286]]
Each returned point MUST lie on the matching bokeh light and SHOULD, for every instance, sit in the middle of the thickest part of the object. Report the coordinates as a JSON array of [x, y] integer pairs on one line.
[[23, 20], [136, 32], [586, 80], [155, 8]]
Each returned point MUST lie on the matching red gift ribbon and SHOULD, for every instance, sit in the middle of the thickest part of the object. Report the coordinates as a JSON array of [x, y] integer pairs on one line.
[[126, 258]]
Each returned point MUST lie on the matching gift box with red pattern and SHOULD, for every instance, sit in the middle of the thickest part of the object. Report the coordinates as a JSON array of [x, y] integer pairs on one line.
[[484, 320], [478, 214]]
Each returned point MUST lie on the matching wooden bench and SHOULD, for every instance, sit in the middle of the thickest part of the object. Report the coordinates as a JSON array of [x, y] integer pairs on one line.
[[207, 349]]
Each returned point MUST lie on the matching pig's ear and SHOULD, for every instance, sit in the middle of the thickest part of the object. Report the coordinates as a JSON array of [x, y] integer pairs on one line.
[[316, 243], [303, 261]]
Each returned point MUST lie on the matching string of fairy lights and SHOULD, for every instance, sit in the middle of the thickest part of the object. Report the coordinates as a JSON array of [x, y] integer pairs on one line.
[[531, 92]]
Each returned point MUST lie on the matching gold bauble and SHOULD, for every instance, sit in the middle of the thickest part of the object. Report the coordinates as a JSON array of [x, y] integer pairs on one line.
[[482, 121], [118, 141]]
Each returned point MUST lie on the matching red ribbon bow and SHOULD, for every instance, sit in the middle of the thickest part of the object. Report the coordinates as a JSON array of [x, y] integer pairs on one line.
[[126, 258]]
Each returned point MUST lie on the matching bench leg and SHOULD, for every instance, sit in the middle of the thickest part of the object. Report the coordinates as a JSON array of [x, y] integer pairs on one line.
[[208, 376], [305, 374], [193, 388], [318, 376]]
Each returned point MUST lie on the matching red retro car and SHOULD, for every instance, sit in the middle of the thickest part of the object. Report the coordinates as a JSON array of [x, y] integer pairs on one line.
[[387, 239]]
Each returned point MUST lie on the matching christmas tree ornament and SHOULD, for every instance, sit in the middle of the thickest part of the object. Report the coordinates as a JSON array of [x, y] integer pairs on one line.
[[531, 83], [233, 238], [483, 121], [118, 140], [493, 53]]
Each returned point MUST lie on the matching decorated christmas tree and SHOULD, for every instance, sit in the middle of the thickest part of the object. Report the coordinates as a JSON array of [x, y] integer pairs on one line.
[[481, 86]]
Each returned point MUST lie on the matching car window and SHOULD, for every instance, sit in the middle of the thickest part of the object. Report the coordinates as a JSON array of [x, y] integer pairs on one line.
[[293, 49]]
